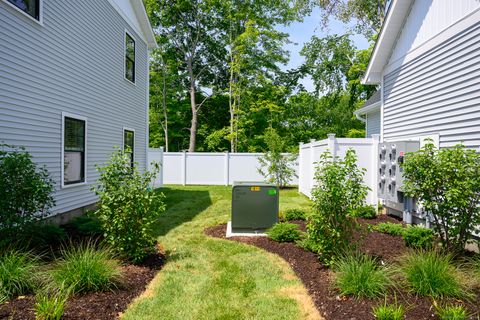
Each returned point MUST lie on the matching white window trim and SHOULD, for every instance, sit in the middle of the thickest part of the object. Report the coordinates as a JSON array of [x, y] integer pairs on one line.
[[134, 142], [40, 12], [135, 62], [62, 178]]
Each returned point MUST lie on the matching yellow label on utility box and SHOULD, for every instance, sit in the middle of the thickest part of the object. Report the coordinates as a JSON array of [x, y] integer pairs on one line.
[[254, 188]]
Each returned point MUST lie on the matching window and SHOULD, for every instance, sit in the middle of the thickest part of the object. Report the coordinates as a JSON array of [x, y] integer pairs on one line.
[[129, 58], [74, 142], [30, 7], [129, 144]]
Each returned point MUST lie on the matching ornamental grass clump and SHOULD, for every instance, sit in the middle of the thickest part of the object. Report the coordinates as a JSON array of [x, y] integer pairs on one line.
[[50, 303], [128, 207], [87, 268], [339, 190], [451, 312], [429, 273], [361, 276], [18, 273], [389, 311]]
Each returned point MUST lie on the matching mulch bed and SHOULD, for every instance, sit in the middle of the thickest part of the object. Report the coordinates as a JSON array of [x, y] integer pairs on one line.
[[319, 282]]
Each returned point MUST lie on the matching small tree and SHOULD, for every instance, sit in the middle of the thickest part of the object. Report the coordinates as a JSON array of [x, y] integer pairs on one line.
[[447, 183], [276, 167], [128, 207], [25, 190], [339, 190]]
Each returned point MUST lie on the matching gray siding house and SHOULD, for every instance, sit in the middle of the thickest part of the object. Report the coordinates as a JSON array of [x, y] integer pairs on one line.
[[73, 84], [369, 113], [427, 61]]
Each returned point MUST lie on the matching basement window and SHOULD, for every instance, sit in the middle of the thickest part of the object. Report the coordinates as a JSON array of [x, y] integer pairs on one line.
[[29, 7], [74, 150], [129, 144]]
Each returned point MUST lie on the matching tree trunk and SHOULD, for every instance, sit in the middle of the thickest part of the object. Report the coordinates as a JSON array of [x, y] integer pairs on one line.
[[193, 105]]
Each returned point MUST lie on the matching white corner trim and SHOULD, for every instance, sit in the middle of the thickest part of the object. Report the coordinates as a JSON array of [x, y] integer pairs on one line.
[[62, 157], [23, 13]]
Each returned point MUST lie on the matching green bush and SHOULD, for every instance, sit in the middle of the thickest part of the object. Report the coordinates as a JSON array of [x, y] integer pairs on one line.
[[128, 207], [451, 312], [389, 312], [295, 214], [42, 235], [447, 183], [25, 191], [393, 229], [339, 190], [366, 212], [18, 273], [284, 232], [429, 273], [87, 226], [85, 268], [361, 276], [418, 237]]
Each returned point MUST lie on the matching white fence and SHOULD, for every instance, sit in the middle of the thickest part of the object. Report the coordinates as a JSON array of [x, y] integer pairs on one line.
[[209, 168], [156, 155], [365, 148]]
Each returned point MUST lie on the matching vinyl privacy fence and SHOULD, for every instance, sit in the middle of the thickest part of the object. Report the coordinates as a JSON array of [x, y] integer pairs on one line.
[[209, 168], [365, 148]]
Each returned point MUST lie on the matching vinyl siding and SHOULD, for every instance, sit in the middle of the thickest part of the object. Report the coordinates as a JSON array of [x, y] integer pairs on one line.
[[437, 92], [73, 63], [373, 123]]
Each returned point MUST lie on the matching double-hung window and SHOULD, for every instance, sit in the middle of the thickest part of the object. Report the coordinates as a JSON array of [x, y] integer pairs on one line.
[[129, 144], [29, 7], [74, 150], [129, 58]]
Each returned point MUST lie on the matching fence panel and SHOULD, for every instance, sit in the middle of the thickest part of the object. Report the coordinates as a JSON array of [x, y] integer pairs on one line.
[[156, 155]]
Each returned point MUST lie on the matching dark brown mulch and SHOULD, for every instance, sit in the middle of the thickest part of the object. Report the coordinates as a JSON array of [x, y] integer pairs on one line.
[[319, 280], [96, 306]]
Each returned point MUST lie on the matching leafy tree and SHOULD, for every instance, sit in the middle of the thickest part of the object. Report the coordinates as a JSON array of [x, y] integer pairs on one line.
[[339, 190], [447, 183], [25, 191], [276, 167]]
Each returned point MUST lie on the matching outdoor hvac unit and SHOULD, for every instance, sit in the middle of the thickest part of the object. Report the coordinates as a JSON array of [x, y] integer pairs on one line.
[[390, 177], [254, 206]]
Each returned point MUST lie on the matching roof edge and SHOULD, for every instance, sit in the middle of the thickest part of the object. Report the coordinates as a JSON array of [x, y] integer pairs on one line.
[[391, 28], [146, 26], [369, 109]]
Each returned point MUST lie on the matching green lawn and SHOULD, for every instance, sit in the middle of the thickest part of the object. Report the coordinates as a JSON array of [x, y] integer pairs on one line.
[[208, 278]]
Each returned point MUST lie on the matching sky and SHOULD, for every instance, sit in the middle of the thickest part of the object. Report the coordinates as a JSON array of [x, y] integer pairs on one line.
[[301, 32]]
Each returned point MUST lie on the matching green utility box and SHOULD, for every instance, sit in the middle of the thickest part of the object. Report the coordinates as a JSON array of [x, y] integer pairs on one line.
[[254, 206]]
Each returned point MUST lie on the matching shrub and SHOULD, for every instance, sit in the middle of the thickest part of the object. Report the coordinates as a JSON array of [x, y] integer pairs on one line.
[[339, 190], [85, 268], [295, 214], [87, 226], [50, 304], [360, 275], [389, 312], [276, 166], [393, 229], [17, 273], [366, 212], [128, 207], [451, 312], [25, 191], [447, 183], [43, 234], [284, 232], [431, 274], [418, 237]]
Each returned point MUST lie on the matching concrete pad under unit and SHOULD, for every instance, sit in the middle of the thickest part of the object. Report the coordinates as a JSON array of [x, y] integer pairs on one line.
[[253, 233]]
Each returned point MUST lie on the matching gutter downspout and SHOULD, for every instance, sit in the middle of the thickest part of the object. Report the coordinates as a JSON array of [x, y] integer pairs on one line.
[[360, 118]]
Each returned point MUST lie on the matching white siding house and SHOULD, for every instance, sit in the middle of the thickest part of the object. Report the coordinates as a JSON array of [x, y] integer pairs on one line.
[[427, 61], [73, 84]]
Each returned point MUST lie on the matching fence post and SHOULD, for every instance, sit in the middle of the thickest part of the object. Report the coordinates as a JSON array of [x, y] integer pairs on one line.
[[332, 144], [184, 168], [374, 178], [300, 175], [226, 167], [160, 176], [312, 168]]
